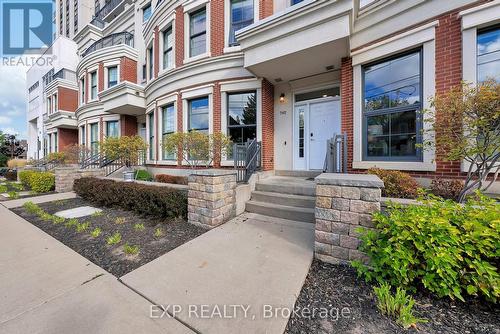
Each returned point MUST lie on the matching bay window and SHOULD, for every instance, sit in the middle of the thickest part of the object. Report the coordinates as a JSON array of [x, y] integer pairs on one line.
[[198, 114], [241, 15], [112, 129], [94, 138], [167, 128], [391, 108], [242, 116], [112, 76], [168, 56], [151, 142], [198, 32], [93, 85]]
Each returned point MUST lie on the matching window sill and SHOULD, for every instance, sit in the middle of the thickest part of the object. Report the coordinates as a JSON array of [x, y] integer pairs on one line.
[[396, 165], [195, 58], [231, 49], [167, 162]]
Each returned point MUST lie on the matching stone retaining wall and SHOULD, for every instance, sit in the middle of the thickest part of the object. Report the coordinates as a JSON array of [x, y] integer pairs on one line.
[[66, 176], [211, 197], [344, 203]]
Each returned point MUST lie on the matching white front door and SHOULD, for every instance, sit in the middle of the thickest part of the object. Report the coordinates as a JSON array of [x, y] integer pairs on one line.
[[315, 123]]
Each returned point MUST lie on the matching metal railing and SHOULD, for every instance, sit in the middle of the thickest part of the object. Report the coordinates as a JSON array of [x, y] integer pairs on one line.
[[336, 154], [45, 164], [104, 11], [246, 158], [118, 38], [63, 73], [109, 165]]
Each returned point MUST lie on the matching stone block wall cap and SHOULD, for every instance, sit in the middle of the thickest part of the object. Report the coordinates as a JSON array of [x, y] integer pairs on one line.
[[66, 168], [350, 180], [213, 172]]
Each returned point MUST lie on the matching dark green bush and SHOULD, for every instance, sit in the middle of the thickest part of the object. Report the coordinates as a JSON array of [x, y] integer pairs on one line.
[[448, 248], [147, 200], [397, 184], [11, 175], [143, 175]]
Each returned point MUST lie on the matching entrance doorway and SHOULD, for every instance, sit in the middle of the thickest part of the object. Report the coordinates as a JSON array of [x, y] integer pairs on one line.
[[315, 121]]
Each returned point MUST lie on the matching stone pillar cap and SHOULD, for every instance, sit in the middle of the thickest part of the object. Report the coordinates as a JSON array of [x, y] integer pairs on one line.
[[213, 172], [350, 180]]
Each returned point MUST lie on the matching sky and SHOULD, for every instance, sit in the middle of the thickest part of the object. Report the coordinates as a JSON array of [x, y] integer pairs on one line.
[[13, 104]]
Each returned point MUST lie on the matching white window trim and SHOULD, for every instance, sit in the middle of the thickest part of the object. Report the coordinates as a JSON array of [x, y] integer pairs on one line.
[[111, 118], [107, 65], [473, 19], [422, 36], [89, 84], [235, 87], [188, 9], [89, 135], [169, 23], [81, 98], [171, 99], [148, 158], [227, 24], [193, 94], [149, 45]]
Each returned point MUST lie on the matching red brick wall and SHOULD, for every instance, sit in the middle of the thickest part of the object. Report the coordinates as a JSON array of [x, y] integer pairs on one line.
[[100, 77], [265, 8], [267, 125], [101, 129], [179, 36], [448, 74], [128, 70], [128, 125], [216, 27], [346, 102], [67, 99], [156, 53], [66, 137]]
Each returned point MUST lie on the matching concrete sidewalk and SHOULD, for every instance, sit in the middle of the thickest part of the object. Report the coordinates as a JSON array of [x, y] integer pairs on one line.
[[249, 262], [45, 287]]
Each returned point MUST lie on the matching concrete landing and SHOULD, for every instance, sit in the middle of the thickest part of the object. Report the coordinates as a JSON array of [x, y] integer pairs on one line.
[[79, 212], [248, 263]]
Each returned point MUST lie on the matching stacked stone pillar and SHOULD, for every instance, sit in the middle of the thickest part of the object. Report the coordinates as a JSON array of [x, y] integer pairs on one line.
[[66, 176], [344, 202], [211, 197]]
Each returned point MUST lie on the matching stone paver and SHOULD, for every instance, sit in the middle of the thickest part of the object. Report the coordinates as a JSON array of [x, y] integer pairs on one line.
[[48, 288], [38, 199], [19, 193], [252, 261], [78, 212]]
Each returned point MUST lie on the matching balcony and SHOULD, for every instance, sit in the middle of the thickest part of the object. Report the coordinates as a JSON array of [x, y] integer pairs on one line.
[[108, 12], [63, 73], [60, 119], [306, 39], [126, 98], [119, 38]]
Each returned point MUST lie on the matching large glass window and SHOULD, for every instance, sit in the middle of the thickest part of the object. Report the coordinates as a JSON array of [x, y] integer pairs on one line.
[[151, 119], [150, 62], [112, 129], [198, 32], [168, 127], [168, 55], [488, 54], [242, 116], [146, 13], [112, 76], [94, 137], [198, 114], [392, 101], [93, 85], [83, 135], [82, 84], [241, 16], [294, 2]]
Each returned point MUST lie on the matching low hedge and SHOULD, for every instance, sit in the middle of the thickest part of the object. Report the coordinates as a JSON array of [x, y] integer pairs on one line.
[[397, 184], [38, 182], [172, 179], [146, 200]]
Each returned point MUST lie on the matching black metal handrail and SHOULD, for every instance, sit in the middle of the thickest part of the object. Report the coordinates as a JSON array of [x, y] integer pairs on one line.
[[106, 9], [108, 164], [247, 158], [118, 38]]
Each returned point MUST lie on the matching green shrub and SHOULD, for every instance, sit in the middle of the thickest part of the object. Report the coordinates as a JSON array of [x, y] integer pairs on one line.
[[448, 248], [3, 188], [13, 194], [32, 208], [147, 200], [131, 249], [396, 184], [143, 175], [42, 182], [399, 306], [11, 175], [96, 232], [447, 189], [39, 182], [82, 227], [166, 178], [114, 239]]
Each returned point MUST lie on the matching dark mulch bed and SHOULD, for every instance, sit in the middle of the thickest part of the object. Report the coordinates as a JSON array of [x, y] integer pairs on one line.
[[17, 187], [111, 257], [336, 286]]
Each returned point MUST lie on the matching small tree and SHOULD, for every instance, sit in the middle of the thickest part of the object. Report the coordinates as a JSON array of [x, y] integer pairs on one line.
[[197, 148], [127, 148], [466, 124]]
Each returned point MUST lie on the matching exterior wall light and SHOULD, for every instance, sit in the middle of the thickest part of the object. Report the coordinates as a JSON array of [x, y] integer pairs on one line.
[[282, 98]]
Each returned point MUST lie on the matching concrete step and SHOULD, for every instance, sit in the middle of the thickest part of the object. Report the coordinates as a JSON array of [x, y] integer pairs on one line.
[[305, 215], [284, 199], [298, 188], [298, 173]]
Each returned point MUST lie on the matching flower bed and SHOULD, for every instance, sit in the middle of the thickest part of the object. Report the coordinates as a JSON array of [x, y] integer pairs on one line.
[[119, 241]]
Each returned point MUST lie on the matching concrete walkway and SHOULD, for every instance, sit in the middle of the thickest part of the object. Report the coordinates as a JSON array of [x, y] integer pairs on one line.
[[45, 287], [38, 199], [245, 264]]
